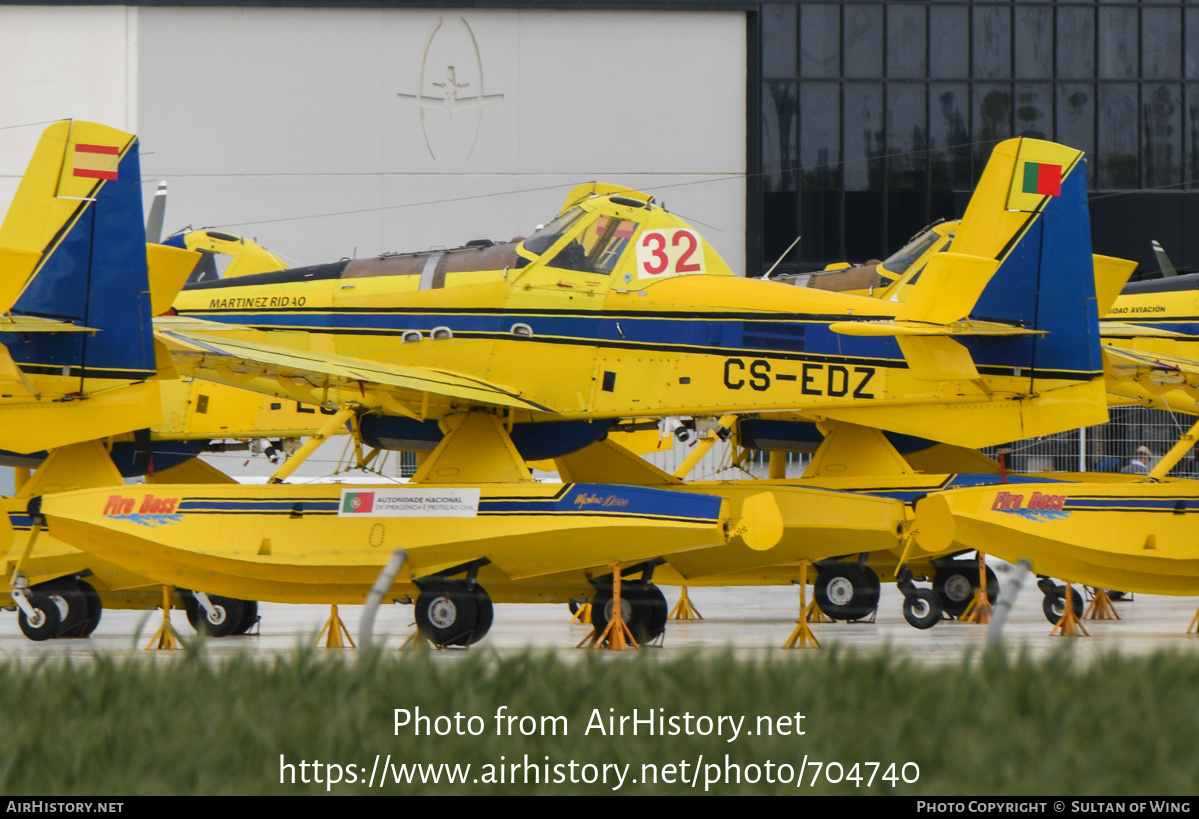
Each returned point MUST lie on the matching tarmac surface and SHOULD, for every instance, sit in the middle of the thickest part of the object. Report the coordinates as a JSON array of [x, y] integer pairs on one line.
[[751, 621]]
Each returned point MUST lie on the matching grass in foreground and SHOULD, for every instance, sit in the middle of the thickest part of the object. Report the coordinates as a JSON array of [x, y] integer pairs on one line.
[[193, 726]]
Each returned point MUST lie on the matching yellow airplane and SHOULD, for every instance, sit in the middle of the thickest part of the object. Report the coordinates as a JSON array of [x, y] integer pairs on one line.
[[628, 312], [615, 309], [78, 362]]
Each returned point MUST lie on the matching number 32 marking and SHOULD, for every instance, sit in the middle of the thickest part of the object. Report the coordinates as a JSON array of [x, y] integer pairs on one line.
[[669, 252]]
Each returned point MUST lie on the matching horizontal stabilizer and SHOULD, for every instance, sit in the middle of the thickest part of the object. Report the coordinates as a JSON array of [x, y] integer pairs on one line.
[[910, 328], [1111, 274]]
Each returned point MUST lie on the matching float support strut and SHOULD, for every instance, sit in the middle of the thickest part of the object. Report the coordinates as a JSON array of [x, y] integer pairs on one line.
[[293, 463]]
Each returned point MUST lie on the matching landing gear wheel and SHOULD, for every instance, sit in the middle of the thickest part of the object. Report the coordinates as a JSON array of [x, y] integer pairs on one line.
[[95, 608], [46, 621], [446, 612], [573, 605], [846, 592], [249, 617], [955, 586], [225, 619], [659, 612], [486, 613], [1054, 604], [72, 605], [922, 608], [642, 605]]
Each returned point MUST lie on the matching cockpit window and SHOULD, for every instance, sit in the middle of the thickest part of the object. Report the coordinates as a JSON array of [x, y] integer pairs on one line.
[[898, 264], [598, 248], [543, 239]]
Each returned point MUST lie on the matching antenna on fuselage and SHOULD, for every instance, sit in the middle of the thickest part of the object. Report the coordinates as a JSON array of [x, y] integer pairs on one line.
[[780, 258]]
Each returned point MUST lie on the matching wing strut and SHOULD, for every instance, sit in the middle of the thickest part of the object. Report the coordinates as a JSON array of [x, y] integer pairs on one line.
[[293, 463]]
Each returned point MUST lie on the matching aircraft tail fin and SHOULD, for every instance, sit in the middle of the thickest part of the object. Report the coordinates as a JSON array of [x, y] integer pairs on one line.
[[75, 238], [1018, 287], [77, 293], [1030, 215]]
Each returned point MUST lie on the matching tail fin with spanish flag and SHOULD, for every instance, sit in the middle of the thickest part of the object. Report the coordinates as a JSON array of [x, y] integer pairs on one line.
[[76, 308]]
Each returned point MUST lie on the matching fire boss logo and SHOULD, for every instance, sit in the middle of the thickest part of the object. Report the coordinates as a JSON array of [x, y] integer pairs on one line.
[[1038, 506], [152, 511]]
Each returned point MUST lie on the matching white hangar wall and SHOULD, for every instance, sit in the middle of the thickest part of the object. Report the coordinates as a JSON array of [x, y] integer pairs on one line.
[[60, 62], [332, 132], [258, 114]]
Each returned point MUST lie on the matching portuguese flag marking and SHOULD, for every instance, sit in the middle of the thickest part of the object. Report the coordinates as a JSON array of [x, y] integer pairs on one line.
[[1043, 179]]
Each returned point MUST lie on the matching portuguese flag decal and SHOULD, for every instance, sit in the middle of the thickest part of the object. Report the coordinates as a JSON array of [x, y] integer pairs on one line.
[[1042, 178], [361, 503]]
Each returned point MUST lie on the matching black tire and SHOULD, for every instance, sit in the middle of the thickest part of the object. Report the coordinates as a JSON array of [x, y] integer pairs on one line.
[[955, 586], [95, 608], [249, 617], [658, 611], [845, 592], [225, 620], [446, 612], [573, 605], [922, 609], [485, 615], [47, 620], [1054, 604], [72, 605], [642, 604]]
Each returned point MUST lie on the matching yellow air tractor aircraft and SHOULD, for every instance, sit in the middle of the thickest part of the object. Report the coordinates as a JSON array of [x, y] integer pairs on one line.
[[79, 287], [493, 354], [856, 496]]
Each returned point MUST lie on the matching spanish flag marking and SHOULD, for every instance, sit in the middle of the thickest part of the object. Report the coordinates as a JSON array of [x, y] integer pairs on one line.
[[1042, 178], [96, 161]]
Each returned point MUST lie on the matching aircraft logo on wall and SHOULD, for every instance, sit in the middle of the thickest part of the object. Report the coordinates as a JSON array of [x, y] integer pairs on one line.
[[460, 89]]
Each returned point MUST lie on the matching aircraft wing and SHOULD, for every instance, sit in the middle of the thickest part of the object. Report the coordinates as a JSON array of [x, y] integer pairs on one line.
[[1131, 363], [195, 344], [1122, 329]]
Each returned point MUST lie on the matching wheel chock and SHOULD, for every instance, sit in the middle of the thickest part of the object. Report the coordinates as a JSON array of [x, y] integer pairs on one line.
[[803, 636], [582, 615], [683, 610], [166, 638], [334, 634], [1069, 625], [1101, 608], [1194, 626]]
